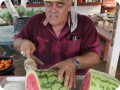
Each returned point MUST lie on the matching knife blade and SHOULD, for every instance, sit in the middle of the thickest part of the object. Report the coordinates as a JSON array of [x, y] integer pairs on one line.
[[37, 59]]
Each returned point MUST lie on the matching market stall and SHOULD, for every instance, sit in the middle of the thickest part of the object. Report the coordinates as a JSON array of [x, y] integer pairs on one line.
[[90, 76]]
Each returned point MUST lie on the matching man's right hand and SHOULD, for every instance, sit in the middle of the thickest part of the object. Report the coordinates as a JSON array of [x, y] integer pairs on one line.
[[26, 47]]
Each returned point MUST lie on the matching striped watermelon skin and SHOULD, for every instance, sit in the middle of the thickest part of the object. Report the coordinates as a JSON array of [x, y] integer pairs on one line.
[[96, 80], [44, 80]]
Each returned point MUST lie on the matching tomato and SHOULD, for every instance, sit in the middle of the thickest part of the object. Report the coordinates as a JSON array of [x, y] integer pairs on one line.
[[0, 67], [5, 63], [9, 61], [2, 61]]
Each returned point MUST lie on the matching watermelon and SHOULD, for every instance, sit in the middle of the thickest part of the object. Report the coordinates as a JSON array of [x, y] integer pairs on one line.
[[43, 80], [96, 80]]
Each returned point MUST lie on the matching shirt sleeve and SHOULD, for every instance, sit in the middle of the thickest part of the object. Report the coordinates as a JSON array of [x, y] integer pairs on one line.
[[90, 40]]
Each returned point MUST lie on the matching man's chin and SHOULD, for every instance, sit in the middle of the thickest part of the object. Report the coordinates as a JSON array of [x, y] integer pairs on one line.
[[53, 23]]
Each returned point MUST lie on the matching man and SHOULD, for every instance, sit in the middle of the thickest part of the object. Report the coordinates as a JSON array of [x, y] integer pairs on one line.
[[50, 37]]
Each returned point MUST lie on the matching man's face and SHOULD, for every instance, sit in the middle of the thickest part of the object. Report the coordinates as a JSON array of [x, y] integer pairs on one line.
[[57, 11]]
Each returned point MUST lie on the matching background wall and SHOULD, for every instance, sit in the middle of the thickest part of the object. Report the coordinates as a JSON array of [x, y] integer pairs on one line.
[[86, 10], [89, 9]]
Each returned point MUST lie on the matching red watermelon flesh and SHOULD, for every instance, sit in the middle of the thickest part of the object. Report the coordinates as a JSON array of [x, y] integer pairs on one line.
[[86, 82], [32, 83]]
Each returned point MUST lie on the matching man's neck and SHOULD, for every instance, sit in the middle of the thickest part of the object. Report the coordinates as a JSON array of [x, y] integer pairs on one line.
[[58, 29]]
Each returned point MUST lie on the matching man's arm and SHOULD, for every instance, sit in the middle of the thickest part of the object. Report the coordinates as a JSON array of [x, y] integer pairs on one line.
[[68, 68], [25, 46], [88, 60]]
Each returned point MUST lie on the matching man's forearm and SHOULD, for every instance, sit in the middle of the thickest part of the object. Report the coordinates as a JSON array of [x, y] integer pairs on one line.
[[88, 60]]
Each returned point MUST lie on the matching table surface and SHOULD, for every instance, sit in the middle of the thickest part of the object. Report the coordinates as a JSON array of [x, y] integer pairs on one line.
[[105, 34], [6, 35], [109, 18], [79, 80]]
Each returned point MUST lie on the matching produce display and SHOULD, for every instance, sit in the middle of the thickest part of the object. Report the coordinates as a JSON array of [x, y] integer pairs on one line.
[[5, 63], [43, 80], [96, 80]]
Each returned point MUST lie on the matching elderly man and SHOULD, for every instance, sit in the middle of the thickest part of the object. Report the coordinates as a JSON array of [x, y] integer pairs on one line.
[[52, 37]]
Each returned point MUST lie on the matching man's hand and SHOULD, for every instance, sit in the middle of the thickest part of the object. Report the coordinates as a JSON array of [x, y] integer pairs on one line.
[[27, 48], [68, 69]]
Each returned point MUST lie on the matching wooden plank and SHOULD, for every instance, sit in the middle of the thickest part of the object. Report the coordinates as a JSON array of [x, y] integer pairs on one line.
[[114, 50], [106, 37], [23, 3], [11, 9], [103, 33]]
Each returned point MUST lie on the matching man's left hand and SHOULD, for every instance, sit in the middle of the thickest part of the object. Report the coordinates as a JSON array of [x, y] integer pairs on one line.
[[68, 69]]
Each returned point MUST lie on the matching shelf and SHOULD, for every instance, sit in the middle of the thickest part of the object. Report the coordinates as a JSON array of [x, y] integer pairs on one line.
[[35, 5], [109, 6], [28, 5], [42, 5], [4, 6], [89, 3]]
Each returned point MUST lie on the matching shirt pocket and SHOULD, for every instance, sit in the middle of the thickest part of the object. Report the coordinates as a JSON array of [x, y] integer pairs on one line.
[[71, 47]]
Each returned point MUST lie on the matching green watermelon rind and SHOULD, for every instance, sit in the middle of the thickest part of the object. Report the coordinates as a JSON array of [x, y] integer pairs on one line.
[[102, 81], [48, 81]]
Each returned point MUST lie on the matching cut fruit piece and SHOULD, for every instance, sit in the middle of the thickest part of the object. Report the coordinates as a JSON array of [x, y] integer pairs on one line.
[[44, 80]]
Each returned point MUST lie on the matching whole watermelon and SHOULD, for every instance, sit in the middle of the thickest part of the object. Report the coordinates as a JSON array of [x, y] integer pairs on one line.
[[43, 80], [96, 80]]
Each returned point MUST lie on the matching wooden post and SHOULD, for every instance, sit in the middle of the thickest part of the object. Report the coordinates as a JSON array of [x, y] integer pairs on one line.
[[23, 3], [11, 9], [115, 47]]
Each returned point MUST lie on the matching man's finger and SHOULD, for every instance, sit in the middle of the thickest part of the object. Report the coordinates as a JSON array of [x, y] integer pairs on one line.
[[60, 74], [74, 83], [28, 53], [67, 78], [71, 80], [54, 66]]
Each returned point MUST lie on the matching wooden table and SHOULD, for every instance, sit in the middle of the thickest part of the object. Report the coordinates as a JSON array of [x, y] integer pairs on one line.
[[106, 37], [109, 19], [6, 35], [6, 39]]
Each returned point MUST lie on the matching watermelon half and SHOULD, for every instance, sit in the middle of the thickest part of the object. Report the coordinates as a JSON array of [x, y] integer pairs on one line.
[[96, 80], [43, 80]]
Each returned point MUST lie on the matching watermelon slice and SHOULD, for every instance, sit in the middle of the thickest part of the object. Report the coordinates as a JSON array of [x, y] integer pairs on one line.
[[96, 80], [43, 80]]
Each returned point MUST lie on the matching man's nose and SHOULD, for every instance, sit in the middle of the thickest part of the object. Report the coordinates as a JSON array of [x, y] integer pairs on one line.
[[54, 8]]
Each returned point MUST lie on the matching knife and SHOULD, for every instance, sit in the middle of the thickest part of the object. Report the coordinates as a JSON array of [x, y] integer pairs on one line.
[[37, 59]]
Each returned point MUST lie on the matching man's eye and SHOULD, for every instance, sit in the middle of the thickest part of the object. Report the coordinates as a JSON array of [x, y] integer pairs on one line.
[[59, 5], [49, 4]]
